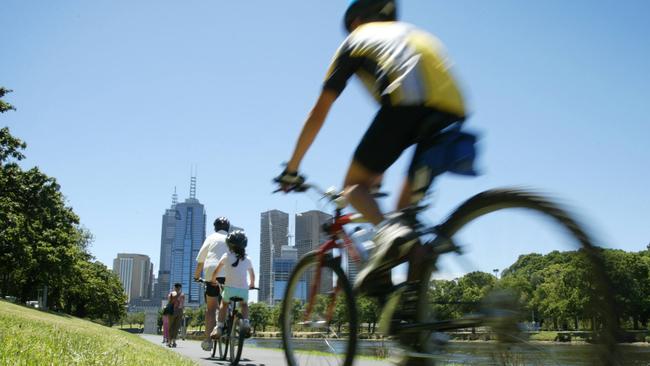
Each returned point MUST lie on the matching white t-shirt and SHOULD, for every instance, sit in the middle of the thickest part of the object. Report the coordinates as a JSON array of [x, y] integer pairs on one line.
[[236, 276], [213, 248]]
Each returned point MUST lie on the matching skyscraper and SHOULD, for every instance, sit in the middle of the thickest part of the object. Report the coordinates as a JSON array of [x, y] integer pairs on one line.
[[309, 235], [135, 273], [282, 268], [184, 238], [274, 226], [167, 236]]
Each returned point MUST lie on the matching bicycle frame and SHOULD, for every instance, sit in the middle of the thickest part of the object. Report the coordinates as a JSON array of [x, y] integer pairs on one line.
[[338, 240]]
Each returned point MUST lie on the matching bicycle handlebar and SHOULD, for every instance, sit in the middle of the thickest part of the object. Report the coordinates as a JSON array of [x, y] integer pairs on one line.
[[203, 280]]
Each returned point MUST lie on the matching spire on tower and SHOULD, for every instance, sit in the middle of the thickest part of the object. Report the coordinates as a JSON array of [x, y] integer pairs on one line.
[[174, 197], [193, 184]]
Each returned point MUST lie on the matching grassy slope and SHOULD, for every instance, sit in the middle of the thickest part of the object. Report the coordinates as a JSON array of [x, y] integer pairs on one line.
[[31, 337]]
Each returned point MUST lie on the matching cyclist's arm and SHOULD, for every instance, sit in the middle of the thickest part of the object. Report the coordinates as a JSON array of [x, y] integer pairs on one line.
[[199, 269], [214, 274], [311, 127], [251, 276], [200, 258]]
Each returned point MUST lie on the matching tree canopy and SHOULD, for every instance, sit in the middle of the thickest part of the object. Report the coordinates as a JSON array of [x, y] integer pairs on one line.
[[42, 245]]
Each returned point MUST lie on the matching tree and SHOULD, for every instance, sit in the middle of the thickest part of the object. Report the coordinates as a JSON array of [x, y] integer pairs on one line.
[[42, 246], [630, 276], [4, 106], [260, 315], [369, 312]]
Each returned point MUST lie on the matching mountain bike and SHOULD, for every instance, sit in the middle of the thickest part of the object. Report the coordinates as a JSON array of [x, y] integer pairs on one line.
[[231, 342], [319, 317]]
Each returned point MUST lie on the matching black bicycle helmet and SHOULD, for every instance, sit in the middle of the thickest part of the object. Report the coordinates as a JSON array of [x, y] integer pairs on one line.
[[381, 10], [221, 223], [237, 241]]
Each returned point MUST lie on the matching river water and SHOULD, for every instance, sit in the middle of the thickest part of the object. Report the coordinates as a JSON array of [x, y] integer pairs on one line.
[[480, 353]]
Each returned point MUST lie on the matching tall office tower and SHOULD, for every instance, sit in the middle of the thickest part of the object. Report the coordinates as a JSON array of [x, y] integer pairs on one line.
[[274, 227], [282, 268], [134, 271], [169, 220], [183, 232], [309, 235], [188, 238]]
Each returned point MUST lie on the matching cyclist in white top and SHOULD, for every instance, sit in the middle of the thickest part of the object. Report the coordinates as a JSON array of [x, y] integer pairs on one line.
[[213, 248], [236, 265]]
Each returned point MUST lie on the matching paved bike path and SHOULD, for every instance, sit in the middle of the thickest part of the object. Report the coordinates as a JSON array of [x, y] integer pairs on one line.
[[251, 356]]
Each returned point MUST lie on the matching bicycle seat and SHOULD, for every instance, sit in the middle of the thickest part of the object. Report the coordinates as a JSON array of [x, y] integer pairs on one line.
[[236, 298]]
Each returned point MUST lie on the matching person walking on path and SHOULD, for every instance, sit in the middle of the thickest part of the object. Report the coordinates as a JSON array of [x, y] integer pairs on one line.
[[165, 324], [177, 298]]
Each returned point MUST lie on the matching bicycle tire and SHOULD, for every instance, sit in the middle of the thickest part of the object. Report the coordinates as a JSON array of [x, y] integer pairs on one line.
[[236, 340], [295, 357], [605, 350], [224, 342], [215, 344]]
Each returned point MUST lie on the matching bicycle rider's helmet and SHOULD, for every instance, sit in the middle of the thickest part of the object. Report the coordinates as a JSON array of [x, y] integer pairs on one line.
[[222, 223], [237, 241], [381, 10]]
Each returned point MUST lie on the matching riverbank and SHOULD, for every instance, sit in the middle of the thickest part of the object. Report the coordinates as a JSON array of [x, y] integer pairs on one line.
[[33, 337], [636, 338]]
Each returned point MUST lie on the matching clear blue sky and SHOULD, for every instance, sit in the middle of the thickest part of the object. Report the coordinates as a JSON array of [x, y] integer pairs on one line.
[[118, 99]]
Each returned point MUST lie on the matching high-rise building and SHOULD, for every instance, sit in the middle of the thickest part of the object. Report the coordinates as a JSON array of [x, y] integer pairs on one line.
[[180, 245], [135, 273], [169, 219], [282, 268], [274, 227], [309, 236]]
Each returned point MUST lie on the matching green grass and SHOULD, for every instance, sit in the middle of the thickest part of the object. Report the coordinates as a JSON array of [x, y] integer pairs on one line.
[[544, 336], [32, 337]]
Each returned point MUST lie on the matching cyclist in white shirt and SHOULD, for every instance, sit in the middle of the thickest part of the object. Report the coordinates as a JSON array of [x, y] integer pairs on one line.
[[236, 265], [213, 248]]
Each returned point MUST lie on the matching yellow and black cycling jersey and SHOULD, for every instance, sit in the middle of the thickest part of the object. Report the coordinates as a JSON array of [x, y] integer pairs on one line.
[[399, 64]]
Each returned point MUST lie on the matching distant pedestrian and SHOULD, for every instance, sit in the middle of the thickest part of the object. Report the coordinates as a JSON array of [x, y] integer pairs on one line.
[[177, 298], [167, 312]]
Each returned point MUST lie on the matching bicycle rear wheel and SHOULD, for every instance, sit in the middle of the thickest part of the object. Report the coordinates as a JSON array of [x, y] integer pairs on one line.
[[567, 290], [236, 340], [323, 332], [224, 341]]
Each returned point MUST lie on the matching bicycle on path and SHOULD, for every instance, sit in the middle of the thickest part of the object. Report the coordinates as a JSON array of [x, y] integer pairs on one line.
[[319, 317], [231, 342], [231, 339]]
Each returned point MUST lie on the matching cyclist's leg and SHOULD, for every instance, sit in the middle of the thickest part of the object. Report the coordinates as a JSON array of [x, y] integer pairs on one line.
[[212, 304], [359, 180], [223, 309], [392, 131]]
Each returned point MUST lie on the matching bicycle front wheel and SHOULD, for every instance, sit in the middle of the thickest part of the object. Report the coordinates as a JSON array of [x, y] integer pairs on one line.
[[318, 314], [549, 294]]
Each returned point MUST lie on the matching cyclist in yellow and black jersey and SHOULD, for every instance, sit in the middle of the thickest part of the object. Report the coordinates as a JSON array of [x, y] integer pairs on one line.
[[399, 64], [407, 72]]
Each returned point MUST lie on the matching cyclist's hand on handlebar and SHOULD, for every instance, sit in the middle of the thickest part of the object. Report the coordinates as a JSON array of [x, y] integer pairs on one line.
[[289, 181]]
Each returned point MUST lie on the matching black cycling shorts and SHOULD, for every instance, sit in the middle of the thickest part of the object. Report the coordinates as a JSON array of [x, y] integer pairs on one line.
[[213, 291], [395, 129]]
